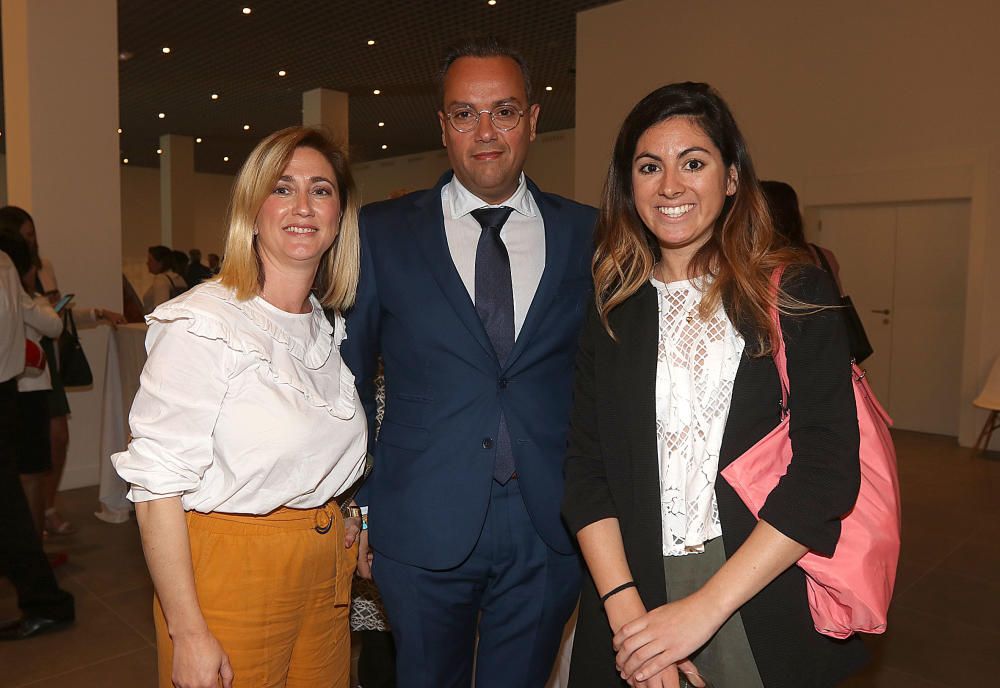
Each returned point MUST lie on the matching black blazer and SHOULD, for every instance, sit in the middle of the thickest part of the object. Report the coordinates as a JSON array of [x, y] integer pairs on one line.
[[612, 472]]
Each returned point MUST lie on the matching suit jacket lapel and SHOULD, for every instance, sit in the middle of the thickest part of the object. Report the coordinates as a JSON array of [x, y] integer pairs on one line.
[[428, 224], [557, 248]]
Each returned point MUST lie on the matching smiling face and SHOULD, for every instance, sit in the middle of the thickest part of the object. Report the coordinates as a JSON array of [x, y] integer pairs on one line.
[[300, 218], [680, 184], [486, 160]]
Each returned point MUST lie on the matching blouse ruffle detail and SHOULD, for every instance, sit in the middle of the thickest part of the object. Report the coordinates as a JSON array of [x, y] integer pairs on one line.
[[256, 334]]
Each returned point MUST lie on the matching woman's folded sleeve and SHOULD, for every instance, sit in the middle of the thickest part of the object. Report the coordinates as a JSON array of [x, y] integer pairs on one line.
[[824, 476], [174, 412], [587, 498]]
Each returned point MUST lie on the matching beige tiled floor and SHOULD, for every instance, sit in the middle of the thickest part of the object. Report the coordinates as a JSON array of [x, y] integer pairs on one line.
[[944, 628]]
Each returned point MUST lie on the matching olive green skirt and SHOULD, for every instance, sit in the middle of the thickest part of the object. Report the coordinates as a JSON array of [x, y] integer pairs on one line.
[[726, 660]]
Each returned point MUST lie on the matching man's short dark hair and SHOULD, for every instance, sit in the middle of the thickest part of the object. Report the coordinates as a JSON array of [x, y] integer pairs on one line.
[[482, 46]]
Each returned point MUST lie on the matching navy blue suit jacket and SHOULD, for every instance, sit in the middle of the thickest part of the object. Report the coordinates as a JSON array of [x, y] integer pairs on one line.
[[430, 487]]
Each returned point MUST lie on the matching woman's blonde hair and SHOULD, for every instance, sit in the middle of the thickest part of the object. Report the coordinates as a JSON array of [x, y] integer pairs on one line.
[[741, 253], [337, 277]]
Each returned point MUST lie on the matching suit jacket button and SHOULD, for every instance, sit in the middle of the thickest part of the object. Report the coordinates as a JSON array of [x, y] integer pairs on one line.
[[487, 442], [502, 382]]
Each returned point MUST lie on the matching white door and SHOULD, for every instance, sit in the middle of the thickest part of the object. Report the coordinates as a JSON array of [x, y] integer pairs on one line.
[[863, 238], [929, 315], [904, 267]]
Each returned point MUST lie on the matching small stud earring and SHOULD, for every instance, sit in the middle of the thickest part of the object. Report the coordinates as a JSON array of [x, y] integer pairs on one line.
[[255, 231]]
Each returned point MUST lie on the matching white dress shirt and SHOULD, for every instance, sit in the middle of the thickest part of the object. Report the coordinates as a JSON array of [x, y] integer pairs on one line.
[[696, 365], [242, 407], [523, 234]]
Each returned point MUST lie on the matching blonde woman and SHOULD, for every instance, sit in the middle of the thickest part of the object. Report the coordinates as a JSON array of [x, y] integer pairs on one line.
[[247, 427]]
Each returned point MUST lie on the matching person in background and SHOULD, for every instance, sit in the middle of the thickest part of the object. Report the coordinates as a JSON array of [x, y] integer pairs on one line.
[[214, 264], [675, 380], [131, 303], [34, 459], [167, 284], [179, 264], [473, 292], [196, 271], [15, 218], [247, 427], [43, 604], [783, 203]]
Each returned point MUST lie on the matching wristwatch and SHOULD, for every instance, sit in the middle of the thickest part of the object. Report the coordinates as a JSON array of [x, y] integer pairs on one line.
[[351, 511]]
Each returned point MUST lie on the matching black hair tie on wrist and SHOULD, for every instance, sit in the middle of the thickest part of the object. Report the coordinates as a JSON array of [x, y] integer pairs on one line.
[[623, 586]]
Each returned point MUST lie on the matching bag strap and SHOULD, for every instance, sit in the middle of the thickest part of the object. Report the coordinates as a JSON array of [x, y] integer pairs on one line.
[[69, 324], [778, 353]]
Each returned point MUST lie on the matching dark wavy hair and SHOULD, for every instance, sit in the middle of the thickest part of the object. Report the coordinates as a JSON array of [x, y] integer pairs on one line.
[[783, 203], [740, 253]]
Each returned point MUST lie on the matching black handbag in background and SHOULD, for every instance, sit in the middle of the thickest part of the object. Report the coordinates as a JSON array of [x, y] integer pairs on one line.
[[861, 348], [73, 365]]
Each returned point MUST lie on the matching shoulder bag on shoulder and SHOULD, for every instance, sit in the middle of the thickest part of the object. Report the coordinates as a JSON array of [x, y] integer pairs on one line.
[[850, 591]]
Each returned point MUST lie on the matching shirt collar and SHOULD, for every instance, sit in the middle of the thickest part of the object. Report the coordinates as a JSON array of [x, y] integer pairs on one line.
[[461, 201]]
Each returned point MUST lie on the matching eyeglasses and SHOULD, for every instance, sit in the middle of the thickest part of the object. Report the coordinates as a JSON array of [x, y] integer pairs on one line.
[[503, 117]]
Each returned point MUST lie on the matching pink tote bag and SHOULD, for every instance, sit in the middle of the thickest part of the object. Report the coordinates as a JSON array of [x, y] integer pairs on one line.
[[850, 591]]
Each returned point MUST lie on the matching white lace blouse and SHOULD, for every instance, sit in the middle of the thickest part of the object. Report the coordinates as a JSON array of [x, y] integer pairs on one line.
[[697, 362], [242, 407]]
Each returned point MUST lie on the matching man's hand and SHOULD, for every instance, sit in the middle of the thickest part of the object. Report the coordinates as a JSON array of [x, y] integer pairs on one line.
[[365, 556]]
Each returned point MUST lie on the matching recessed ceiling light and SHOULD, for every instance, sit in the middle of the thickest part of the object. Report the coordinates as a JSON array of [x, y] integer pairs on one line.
[[247, 10], [491, 2], [225, 158], [381, 124], [377, 92], [198, 140], [384, 147], [246, 127], [125, 160], [282, 72], [166, 50], [371, 41], [215, 96], [161, 115], [119, 130], [159, 151], [548, 88]]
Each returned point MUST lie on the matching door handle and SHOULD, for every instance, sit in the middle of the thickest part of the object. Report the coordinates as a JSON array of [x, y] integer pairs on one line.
[[883, 312]]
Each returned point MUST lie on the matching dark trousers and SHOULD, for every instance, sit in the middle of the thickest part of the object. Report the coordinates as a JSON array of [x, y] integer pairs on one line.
[[516, 591], [21, 557]]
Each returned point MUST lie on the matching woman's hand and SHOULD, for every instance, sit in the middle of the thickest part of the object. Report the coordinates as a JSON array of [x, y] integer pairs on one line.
[[664, 637], [627, 606], [200, 662], [111, 317]]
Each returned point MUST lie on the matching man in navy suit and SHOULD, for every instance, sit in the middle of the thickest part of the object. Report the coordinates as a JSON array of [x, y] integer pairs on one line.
[[473, 292]]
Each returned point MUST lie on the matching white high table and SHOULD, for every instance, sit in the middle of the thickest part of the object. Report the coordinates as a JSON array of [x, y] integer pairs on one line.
[[126, 357]]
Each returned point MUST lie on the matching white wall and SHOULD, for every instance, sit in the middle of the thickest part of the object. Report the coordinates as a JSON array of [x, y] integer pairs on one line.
[[851, 102]]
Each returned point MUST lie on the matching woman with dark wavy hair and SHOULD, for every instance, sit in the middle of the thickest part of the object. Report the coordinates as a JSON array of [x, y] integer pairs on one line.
[[675, 380]]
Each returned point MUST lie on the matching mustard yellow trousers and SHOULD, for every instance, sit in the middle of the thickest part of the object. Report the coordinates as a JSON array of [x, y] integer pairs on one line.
[[276, 594]]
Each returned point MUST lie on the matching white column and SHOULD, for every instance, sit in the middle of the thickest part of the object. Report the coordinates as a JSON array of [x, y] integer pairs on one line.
[[60, 72], [177, 192], [322, 107]]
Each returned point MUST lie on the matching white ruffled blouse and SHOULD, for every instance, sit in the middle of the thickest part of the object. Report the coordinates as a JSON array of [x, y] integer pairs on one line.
[[242, 407], [697, 361]]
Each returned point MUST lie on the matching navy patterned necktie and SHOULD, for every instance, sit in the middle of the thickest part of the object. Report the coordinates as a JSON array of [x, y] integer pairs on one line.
[[495, 305]]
